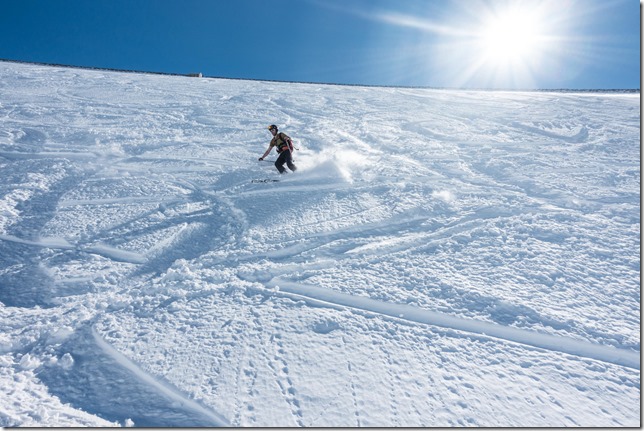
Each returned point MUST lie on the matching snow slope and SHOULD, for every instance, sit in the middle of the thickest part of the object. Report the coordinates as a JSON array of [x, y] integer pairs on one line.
[[440, 258]]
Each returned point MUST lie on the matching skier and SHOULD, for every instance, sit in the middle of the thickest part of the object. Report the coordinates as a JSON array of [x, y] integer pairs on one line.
[[284, 145]]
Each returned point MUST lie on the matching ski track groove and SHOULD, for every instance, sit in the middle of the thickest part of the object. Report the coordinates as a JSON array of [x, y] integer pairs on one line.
[[277, 365], [245, 383], [278, 382], [246, 379], [165, 389], [236, 421], [422, 372], [391, 387], [284, 380], [251, 373], [354, 395], [554, 343]]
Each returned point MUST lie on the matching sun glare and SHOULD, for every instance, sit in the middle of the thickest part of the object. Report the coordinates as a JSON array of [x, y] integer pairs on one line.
[[504, 44], [501, 44], [510, 36]]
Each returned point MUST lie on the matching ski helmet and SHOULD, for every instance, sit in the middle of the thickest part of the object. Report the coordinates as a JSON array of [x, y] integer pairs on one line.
[[272, 127]]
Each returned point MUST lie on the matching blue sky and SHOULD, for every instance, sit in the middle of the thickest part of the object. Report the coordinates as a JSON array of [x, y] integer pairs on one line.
[[521, 44]]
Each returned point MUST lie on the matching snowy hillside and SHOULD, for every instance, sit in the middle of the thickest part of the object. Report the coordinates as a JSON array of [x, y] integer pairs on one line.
[[440, 258]]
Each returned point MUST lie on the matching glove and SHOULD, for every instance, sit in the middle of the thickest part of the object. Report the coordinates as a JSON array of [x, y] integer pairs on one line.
[[261, 158]]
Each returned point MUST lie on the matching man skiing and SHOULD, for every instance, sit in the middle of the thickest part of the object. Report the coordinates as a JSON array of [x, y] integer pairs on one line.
[[284, 145]]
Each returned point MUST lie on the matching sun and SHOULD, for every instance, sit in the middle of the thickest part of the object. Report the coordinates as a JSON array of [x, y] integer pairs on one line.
[[511, 35], [506, 44]]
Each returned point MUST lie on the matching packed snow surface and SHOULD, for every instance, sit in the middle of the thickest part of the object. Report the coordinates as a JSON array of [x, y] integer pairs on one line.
[[440, 257]]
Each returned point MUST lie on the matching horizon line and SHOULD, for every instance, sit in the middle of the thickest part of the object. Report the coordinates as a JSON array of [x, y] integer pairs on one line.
[[200, 75]]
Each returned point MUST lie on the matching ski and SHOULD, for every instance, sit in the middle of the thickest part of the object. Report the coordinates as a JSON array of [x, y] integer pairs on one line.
[[266, 180]]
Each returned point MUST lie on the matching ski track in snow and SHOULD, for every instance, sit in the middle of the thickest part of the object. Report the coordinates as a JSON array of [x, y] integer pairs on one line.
[[193, 410], [440, 258], [407, 312]]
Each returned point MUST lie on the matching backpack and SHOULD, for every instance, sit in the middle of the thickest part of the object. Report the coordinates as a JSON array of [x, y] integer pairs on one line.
[[283, 141]]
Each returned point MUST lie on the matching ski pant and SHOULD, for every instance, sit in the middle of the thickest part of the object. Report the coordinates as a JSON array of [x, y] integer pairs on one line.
[[285, 157]]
